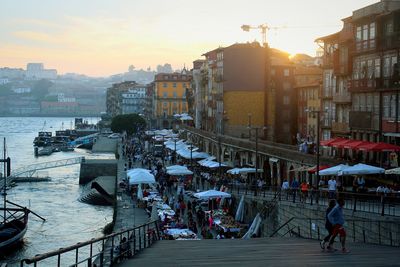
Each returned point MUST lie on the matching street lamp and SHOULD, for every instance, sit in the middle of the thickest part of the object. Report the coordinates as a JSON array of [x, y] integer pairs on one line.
[[318, 112], [256, 129], [249, 124]]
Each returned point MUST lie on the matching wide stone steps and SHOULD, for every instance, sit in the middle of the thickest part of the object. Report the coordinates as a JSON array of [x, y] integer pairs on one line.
[[261, 252]]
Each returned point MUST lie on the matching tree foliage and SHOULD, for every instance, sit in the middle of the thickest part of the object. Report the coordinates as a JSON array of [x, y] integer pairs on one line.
[[130, 123], [5, 89], [41, 88]]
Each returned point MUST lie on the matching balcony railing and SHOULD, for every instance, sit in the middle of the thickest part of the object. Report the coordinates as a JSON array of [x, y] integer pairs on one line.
[[340, 127], [345, 98], [364, 84]]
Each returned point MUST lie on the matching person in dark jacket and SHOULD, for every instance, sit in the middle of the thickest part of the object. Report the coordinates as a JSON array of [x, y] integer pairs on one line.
[[328, 225]]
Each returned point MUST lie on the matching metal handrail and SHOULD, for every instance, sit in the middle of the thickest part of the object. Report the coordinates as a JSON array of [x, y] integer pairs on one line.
[[359, 230], [143, 229], [382, 204]]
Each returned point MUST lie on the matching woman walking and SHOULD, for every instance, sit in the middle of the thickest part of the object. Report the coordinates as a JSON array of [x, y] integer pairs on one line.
[[328, 225]]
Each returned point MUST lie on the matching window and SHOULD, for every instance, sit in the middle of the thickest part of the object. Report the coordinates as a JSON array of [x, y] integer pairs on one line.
[[286, 86], [174, 85], [358, 34], [175, 95], [286, 100], [286, 72], [272, 72], [386, 67], [165, 85], [165, 104], [165, 94], [377, 68], [184, 85], [369, 102], [362, 102], [386, 106], [393, 106]]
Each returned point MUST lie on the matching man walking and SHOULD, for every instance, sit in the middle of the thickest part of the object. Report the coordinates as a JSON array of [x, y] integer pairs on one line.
[[336, 218], [332, 188]]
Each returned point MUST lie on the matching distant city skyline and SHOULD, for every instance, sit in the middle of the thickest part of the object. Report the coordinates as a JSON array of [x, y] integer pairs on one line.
[[101, 38]]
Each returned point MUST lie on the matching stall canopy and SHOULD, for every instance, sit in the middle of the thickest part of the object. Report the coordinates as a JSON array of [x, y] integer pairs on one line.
[[333, 170], [210, 194], [243, 170], [361, 169], [211, 164], [354, 144], [179, 170], [140, 176], [240, 210], [393, 171], [254, 227]]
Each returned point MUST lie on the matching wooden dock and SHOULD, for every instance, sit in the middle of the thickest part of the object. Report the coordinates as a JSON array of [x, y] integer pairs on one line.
[[261, 252]]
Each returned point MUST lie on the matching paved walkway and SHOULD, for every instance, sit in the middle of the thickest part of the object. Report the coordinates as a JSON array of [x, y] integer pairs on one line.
[[127, 213], [260, 252]]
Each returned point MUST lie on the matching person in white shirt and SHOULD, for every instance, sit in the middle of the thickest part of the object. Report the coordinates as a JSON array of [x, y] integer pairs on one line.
[[332, 188], [285, 188]]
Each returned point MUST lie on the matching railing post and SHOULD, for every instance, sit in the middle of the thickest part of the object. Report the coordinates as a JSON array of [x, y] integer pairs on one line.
[[134, 242], [383, 205], [58, 260], [76, 256], [112, 249], [140, 240]]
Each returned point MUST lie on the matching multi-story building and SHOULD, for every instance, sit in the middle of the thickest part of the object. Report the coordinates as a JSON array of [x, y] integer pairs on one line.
[[281, 98], [126, 98], [36, 71], [308, 80], [169, 97], [375, 84], [337, 70], [243, 86]]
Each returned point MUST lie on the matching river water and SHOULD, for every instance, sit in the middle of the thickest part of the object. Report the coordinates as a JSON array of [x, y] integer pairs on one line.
[[68, 221]]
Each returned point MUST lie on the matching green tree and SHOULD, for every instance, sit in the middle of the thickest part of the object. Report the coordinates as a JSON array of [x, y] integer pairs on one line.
[[5, 89], [41, 88], [130, 123]]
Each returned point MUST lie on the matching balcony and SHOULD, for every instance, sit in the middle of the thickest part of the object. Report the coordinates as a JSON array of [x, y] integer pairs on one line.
[[342, 99], [340, 127], [327, 93], [326, 124], [364, 85]]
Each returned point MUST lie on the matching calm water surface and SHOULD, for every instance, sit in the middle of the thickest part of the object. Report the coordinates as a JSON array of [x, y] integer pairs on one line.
[[68, 221]]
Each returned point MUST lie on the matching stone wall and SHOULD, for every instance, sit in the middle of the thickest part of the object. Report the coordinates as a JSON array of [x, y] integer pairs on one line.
[[90, 169], [309, 222]]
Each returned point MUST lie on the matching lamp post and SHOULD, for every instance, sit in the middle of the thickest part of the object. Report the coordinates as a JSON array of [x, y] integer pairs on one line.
[[256, 163], [249, 124], [175, 151], [318, 112]]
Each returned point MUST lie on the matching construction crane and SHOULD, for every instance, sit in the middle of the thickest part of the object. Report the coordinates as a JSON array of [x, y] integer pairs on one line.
[[263, 27]]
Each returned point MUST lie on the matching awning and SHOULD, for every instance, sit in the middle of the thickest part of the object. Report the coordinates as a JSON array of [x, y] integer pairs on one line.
[[354, 144], [314, 169], [379, 147], [393, 171], [300, 169], [340, 144], [330, 141]]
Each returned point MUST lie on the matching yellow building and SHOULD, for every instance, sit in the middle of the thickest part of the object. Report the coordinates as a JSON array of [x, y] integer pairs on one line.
[[170, 97]]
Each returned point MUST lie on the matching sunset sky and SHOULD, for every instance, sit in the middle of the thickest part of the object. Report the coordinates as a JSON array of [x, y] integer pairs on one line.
[[104, 37]]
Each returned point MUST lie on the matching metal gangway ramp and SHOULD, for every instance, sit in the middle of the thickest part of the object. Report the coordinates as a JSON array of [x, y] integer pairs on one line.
[[29, 170]]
